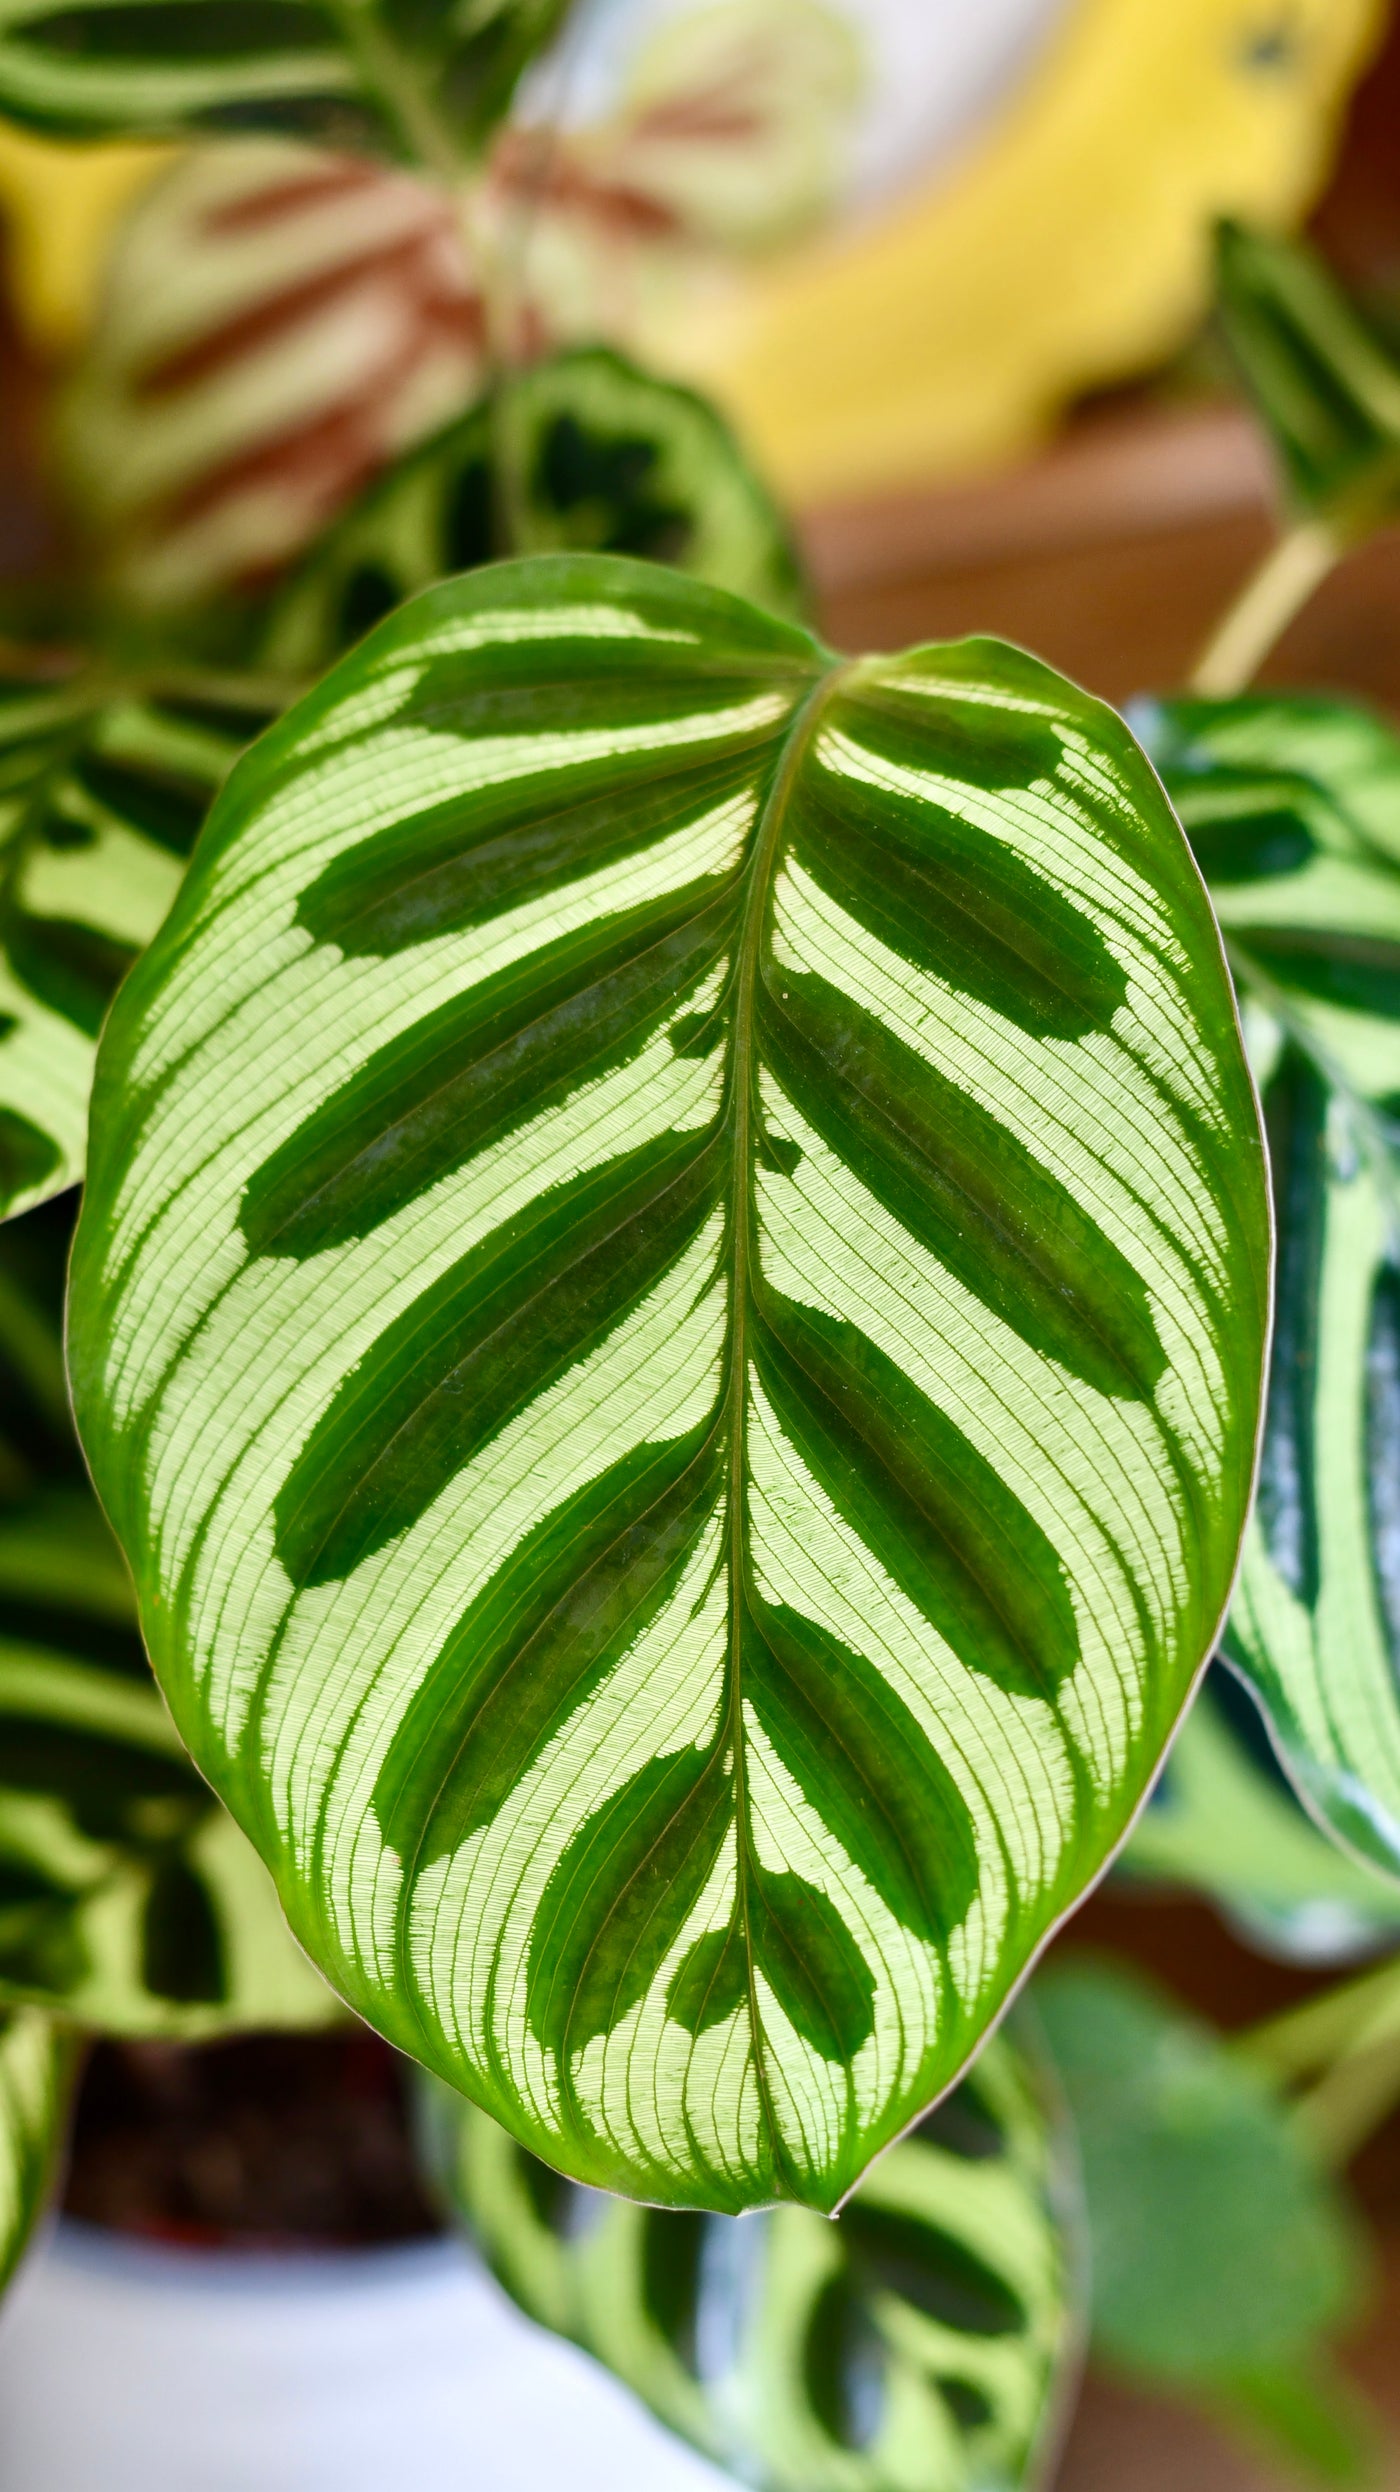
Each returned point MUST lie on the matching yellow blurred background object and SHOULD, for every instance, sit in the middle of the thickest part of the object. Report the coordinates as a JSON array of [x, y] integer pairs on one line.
[[60, 202], [1066, 248], [1060, 245]]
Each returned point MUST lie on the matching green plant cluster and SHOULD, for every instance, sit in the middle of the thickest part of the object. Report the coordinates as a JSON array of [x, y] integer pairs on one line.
[[682, 1241]]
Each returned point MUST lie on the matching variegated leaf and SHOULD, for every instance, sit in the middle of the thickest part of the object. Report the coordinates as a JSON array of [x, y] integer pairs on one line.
[[1293, 807], [276, 325], [129, 1900], [101, 796], [584, 451], [670, 1313], [425, 80], [1224, 1819], [37, 2064], [924, 2343], [1324, 386]]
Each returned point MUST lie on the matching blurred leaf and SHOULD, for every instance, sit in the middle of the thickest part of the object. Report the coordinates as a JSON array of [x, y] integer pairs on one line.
[[1292, 804], [101, 797], [276, 323], [38, 2063], [1218, 2249], [422, 77], [128, 1898], [1224, 1818], [1312, 2415], [922, 2343], [1325, 388], [598, 456]]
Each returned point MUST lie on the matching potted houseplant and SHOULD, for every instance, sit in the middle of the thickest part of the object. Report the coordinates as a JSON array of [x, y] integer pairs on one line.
[[670, 1316]]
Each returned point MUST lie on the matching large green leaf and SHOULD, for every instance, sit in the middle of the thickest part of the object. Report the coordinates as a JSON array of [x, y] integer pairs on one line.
[[37, 2065], [1293, 806], [420, 77], [596, 455], [1224, 1818], [128, 1897], [101, 796], [924, 2343], [1326, 389], [1223, 2260], [670, 1313]]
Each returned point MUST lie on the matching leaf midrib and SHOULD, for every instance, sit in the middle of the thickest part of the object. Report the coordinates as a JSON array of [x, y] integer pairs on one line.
[[743, 1076]]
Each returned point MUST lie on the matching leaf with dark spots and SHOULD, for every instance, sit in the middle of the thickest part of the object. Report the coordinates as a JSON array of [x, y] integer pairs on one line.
[[546, 1630], [481, 1344], [620, 1896]]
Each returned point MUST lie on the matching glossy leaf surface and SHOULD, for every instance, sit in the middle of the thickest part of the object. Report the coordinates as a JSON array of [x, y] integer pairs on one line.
[[101, 798], [670, 1314], [1325, 387], [1225, 1820], [37, 2064], [920, 2344], [1293, 807], [128, 1898], [585, 451], [415, 76], [1223, 2260]]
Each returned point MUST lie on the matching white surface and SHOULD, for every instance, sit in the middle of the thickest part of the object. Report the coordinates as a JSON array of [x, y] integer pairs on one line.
[[128, 2369]]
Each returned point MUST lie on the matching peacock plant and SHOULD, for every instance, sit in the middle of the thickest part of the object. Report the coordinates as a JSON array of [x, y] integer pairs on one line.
[[670, 1315]]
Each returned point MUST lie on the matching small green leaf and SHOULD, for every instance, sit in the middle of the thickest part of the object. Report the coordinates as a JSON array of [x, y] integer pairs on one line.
[[1218, 2249], [38, 2063], [923, 2343], [670, 1316], [101, 798], [417, 79], [1325, 387], [583, 451], [129, 1901], [1224, 1818], [1292, 804]]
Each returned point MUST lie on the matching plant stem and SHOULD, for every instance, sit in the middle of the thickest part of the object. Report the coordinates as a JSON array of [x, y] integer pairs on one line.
[[1348, 2041], [392, 79], [1288, 576]]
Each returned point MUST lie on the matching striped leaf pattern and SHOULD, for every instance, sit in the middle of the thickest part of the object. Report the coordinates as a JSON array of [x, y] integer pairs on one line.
[[1324, 386], [583, 451], [415, 77], [670, 1312], [101, 796], [1293, 807], [923, 2343], [37, 2065], [276, 325], [1224, 1819], [129, 1900]]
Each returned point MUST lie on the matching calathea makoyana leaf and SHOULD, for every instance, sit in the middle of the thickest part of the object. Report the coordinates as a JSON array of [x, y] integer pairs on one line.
[[101, 796], [276, 324], [585, 451], [1223, 1818], [1293, 807], [38, 2060], [1325, 388], [426, 81], [129, 1900], [670, 1312], [923, 2343]]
